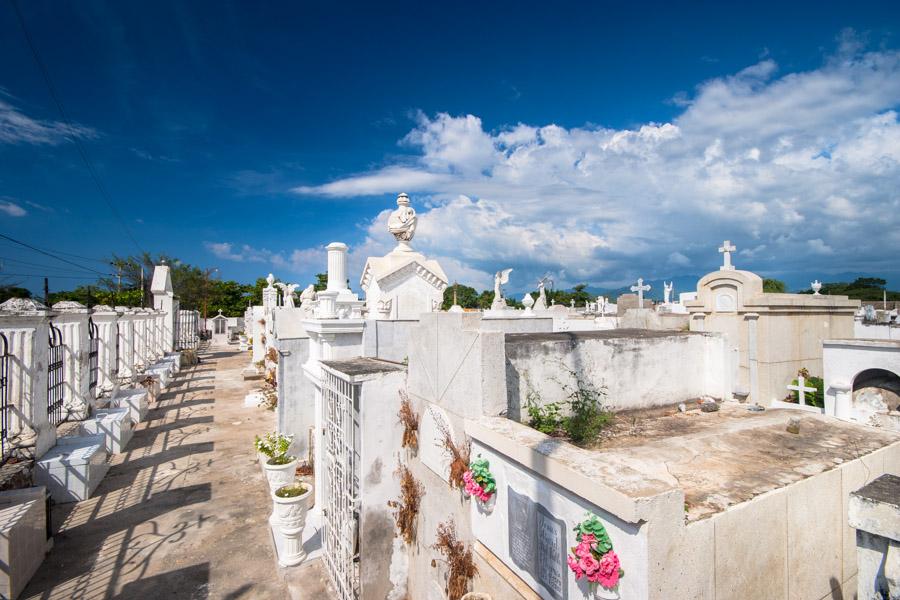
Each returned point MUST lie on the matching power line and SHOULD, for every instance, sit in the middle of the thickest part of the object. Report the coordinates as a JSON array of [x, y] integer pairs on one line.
[[41, 276], [65, 260], [31, 264], [78, 145], [104, 262]]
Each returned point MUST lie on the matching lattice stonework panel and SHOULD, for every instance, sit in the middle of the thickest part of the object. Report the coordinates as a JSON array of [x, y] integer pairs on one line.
[[340, 406]]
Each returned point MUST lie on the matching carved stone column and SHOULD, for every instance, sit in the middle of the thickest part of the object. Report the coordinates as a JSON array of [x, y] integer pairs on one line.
[[25, 323], [72, 321]]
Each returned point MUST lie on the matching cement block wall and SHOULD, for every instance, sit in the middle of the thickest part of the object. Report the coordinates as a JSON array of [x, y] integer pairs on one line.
[[636, 368]]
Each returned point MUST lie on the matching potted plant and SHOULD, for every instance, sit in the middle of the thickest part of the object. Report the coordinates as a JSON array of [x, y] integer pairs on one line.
[[290, 503], [594, 559], [279, 466]]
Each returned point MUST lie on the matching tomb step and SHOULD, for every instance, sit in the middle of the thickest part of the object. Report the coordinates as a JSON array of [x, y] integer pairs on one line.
[[73, 468], [23, 537], [135, 400], [114, 423]]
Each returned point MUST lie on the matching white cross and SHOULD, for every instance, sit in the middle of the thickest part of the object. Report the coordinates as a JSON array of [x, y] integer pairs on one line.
[[802, 389], [727, 249], [640, 288]]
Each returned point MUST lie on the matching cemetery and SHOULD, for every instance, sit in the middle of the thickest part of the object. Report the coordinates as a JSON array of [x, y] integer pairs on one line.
[[704, 447]]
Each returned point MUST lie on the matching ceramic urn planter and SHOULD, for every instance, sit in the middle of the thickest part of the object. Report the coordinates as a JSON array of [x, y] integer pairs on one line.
[[287, 522], [279, 475]]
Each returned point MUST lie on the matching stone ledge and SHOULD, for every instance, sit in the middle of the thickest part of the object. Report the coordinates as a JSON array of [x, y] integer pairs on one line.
[[875, 507]]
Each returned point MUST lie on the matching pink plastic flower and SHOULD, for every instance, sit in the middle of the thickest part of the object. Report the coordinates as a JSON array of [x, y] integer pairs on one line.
[[588, 564], [608, 571], [583, 549], [575, 568], [588, 538]]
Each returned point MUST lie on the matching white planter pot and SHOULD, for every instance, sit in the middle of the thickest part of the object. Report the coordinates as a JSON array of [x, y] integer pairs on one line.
[[279, 475], [287, 521], [603, 593]]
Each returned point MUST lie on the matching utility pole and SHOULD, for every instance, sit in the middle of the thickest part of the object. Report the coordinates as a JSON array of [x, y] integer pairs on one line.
[[119, 284], [46, 292], [142, 287]]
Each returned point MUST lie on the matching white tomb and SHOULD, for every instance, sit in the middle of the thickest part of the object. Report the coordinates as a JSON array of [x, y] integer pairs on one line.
[[73, 468], [404, 283], [135, 400], [23, 537], [114, 423]]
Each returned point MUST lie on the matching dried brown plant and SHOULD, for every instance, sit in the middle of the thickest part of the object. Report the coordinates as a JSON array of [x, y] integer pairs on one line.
[[458, 453], [272, 355], [410, 421], [407, 507], [458, 555]]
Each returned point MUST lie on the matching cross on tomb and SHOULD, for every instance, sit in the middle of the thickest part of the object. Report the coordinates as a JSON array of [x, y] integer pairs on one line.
[[727, 248], [801, 389], [640, 288]]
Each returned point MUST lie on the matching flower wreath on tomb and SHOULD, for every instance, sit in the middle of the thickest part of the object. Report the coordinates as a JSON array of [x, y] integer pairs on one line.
[[593, 558], [479, 481]]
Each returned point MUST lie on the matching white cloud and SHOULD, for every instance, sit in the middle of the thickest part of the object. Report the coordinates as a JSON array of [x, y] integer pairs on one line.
[[11, 209], [801, 169], [308, 260], [18, 128]]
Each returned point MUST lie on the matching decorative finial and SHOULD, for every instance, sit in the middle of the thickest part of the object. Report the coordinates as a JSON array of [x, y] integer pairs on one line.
[[402, 223]]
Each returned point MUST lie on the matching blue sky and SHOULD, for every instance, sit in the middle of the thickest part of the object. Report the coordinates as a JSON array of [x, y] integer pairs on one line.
[[598, 142]]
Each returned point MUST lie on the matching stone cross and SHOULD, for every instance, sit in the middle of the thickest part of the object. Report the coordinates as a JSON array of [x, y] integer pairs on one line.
[[727, 248], [801, 389], [640, 288]]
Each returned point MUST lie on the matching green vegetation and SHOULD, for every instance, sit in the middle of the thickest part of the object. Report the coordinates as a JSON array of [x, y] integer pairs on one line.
[[291, 491], [862, 288], [468, 297], [11, 291], [774, 286], [587, 414]]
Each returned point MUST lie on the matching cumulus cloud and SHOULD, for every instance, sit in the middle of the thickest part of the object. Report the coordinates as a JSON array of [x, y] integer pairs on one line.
[[800, 169], [18, 128], [297, 261], [11, 209]]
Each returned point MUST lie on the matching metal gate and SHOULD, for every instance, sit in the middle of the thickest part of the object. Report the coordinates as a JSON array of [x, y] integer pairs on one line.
[[117, 360], [56, 377], [93, 357], [340, 404], [4, 395], [187, 328]]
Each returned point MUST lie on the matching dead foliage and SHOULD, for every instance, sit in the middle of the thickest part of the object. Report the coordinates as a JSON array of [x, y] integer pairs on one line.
[[410, 421], [272, 355], [458, 454], [305, 469], [461, 566], [407, 507]]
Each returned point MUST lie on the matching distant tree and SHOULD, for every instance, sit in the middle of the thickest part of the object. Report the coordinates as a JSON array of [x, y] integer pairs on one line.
[[773, 286], [12, 291], [228, 296], [870, 289], [466, 296], [321, 281]]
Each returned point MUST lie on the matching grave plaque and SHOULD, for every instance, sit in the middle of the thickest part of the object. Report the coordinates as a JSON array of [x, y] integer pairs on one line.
[[537, 543]]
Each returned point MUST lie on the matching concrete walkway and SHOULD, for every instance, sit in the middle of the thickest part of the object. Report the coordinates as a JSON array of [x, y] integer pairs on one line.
[[183, 512]]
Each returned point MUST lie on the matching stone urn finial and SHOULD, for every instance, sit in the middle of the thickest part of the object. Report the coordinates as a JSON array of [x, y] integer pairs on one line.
[[402, 223]]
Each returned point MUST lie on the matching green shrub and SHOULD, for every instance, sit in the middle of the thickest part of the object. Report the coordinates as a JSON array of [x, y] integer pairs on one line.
[[545, 418], [586, 417]]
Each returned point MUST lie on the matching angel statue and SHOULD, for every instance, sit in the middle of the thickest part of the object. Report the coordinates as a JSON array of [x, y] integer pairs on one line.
[[541, 303], [402, 222], [287, 293], [500, 277]]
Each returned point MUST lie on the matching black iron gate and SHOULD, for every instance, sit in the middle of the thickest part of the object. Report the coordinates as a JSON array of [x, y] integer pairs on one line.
[[187, 327], [4, 395], [93, 357], [56, 377], [116, 361]]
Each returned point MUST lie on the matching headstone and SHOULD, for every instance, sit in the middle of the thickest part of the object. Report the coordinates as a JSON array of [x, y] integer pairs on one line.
[[802, 389], [640, 288], [537, 543]]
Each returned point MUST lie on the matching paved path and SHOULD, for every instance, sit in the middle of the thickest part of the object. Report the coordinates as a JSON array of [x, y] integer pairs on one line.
[[183, 512]]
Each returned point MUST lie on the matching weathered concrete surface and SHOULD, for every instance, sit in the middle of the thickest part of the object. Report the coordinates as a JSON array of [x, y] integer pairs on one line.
[[182, 513]]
